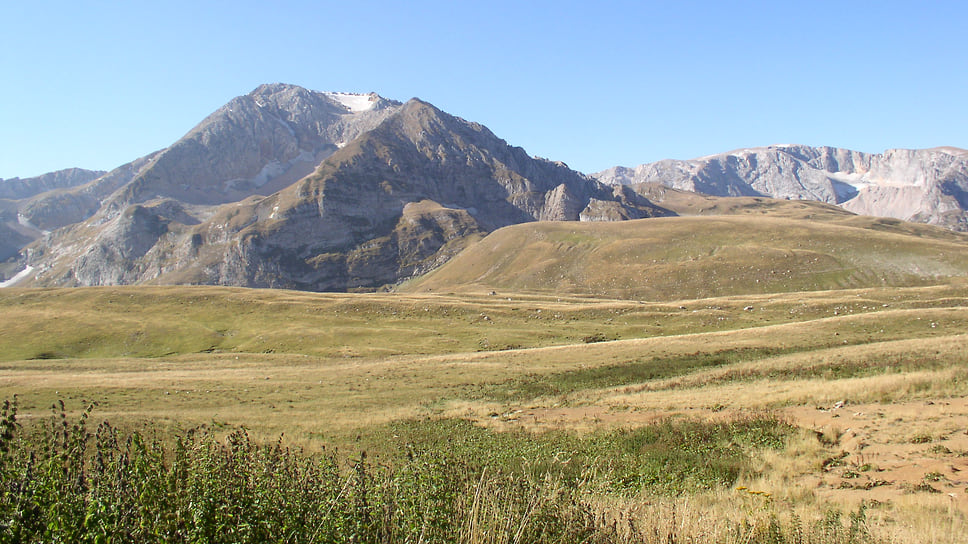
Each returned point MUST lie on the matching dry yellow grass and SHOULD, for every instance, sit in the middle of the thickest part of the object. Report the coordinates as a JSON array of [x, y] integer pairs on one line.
[[704, 256], [343, 378], [321, 368]]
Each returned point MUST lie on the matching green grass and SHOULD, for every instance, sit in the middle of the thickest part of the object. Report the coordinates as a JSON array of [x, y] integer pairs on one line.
[[152, 322], [282, 361], [532, 386], [833, 369], [671, 457], [435, 481]]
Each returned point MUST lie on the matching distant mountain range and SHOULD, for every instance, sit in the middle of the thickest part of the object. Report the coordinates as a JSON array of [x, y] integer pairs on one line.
[[923, 185], [17, 197], [16, 188], [291, 188]]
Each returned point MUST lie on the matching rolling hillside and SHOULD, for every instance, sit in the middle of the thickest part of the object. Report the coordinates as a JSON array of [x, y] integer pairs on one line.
[[751, 246]]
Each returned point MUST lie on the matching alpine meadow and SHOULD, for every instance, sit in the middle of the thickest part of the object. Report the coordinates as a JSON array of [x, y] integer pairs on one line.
[[337, 317]]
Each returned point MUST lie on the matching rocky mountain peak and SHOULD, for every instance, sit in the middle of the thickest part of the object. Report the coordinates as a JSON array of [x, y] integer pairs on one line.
[[256, 144], [399, 189]]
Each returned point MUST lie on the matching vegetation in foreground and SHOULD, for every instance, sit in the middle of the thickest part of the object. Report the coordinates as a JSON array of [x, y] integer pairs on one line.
[[397, 369], [438, 481]]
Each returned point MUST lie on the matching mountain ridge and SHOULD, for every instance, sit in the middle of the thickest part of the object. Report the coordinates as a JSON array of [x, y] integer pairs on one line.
[[410, 187], [20, 188], [923, 185], [327, 191]]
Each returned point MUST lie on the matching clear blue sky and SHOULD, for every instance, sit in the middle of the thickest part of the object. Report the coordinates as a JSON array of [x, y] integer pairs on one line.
[[95, 84]]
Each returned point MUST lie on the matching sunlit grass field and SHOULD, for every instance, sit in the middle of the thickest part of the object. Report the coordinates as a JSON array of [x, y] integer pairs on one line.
[[356, 372], [708, 379], [280, 360]]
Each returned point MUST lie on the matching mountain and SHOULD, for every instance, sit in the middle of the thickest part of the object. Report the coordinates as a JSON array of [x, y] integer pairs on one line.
[[286, 187], [292, 188], [926, 185], [17, 189], [255, 145], [17, 195]]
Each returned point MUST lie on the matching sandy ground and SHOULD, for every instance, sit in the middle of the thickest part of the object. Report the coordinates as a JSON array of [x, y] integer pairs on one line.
[[884, 451], [877, 452]]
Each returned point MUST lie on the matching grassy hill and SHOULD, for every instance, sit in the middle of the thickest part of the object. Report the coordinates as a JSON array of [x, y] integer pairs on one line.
[[749, 246]]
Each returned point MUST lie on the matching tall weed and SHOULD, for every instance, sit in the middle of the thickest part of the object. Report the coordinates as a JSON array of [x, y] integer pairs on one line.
[[437, 481]]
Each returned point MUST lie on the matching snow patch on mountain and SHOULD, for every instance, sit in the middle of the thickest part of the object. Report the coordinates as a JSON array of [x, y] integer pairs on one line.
[[352, 101], [17, 277], [24, 222]]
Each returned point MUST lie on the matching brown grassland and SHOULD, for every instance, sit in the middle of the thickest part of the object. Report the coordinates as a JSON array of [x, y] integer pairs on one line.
[[852, 329]]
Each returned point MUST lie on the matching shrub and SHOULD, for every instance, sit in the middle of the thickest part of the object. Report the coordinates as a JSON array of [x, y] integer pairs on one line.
[[439, 481]]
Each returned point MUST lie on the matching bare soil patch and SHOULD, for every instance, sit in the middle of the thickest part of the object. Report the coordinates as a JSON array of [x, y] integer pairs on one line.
[[876, 453], [886, 451]]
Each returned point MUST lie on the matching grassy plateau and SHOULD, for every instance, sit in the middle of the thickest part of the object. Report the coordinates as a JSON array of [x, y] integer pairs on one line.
[[751, 377]]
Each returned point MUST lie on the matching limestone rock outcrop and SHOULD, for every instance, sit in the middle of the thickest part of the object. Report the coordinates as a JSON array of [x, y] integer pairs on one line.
[[924, 185]]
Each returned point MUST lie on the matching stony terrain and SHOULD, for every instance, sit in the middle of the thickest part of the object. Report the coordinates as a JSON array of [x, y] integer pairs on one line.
[[924, 185]]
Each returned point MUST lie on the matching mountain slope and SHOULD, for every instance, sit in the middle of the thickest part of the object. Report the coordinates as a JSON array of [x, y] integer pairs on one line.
[[927, 185], [254, 145], [395, 201], [17, 189], [761, 246], [19, 226]]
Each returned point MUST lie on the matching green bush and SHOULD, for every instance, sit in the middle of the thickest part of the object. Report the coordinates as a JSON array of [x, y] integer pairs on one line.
[[62, 483], [434, 481]]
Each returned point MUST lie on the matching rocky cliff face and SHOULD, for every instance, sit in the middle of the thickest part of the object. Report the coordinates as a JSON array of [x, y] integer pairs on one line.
[[19, 225], [926, 185], [400, 188]]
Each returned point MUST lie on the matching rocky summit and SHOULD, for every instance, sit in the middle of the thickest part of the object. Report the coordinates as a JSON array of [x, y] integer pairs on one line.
[[291, 188], [925, 185]]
